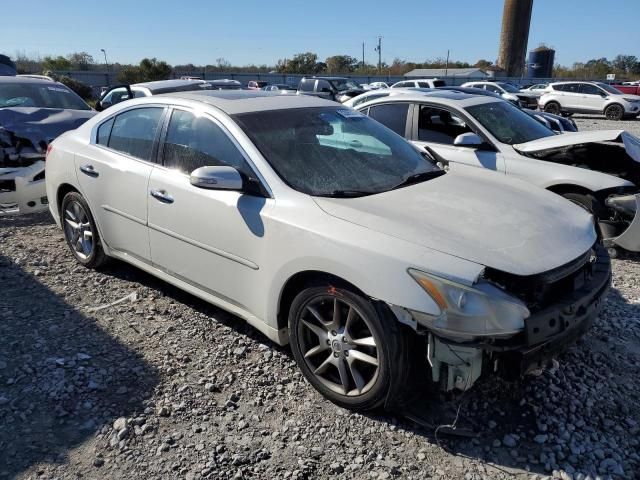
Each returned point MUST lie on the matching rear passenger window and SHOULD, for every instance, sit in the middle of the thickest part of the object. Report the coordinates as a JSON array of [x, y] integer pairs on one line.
[[134, 132], [196, 141], [391, 115], [104, 131], [572, 88]]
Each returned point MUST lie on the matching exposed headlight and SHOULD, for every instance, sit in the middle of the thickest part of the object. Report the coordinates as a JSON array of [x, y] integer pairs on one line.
[[631, 100], [479, 310]]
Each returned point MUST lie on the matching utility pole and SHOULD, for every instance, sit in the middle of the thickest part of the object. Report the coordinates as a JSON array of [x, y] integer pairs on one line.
[[363, 57], [446, 65], [379, 50], [105, 58]]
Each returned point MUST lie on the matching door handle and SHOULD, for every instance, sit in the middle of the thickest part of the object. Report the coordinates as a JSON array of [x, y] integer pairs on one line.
[[161, 195], [89, 170]]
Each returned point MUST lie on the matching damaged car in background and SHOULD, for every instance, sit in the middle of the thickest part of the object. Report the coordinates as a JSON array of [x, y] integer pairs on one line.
[[598, 170], [340, 238], [33, 112]]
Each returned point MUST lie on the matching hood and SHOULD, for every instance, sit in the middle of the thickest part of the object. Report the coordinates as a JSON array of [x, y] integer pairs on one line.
[[25, 132], [631, 142], [479, 216]]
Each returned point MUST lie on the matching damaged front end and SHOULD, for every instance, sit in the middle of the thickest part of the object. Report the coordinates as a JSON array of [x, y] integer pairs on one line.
[[520, 330], [622, 229], [25, 134]]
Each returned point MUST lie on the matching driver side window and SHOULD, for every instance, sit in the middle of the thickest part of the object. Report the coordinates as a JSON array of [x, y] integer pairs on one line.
[[196, 141], [439, 126]]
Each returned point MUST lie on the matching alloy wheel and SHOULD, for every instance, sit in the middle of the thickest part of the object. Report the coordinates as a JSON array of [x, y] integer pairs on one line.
[[338, 345], [77, 228]]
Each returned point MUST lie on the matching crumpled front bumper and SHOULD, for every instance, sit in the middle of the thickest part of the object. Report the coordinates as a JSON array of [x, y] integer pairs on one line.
[[22, 190], [629, 239], [552, 330]]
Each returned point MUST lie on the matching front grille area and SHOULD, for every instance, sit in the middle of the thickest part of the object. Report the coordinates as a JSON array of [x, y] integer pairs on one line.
[[541, 290], [7, 185]]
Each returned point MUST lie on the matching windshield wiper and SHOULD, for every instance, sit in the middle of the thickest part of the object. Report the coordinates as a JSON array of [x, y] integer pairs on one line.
[[347, 193], [419, 177]]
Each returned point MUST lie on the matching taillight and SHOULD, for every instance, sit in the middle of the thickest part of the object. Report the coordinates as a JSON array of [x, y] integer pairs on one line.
[[49, 148]]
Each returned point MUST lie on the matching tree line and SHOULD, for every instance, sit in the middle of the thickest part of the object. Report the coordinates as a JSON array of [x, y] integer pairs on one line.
[[624, 66]]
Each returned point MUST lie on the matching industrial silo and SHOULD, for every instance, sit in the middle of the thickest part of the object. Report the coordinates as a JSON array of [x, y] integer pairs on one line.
[[540, 64]]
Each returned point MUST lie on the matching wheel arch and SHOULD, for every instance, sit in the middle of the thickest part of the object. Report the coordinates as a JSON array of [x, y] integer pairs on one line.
[[563, 188], [299, 281], [63, 189]]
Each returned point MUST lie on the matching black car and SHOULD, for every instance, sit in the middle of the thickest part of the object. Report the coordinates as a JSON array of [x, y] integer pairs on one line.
[[338, 89]]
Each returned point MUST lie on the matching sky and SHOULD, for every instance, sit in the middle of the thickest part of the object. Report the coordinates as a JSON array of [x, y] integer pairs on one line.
[[261, 32]]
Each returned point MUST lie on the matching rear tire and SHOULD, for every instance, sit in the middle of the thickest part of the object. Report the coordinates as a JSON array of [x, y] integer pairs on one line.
[[614, 112], [552, 107], [80, 231], [352, 350]]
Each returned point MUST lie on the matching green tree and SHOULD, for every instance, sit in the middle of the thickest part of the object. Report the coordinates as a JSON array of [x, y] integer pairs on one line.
[[57, 63], [341, 64], [482, 63], [301, 63], [129, 74], [80, 60], [153, 69], [625, 63]]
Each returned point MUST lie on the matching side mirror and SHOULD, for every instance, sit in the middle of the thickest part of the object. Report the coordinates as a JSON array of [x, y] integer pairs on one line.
[[216, 178], [468, 139], [101, 105]]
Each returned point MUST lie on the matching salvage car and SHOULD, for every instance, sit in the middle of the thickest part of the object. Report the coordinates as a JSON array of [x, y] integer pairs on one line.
[[325, 230], [557, 123], [508, 92], [598, 169], [119, 93], [338, 89], [32, 113]]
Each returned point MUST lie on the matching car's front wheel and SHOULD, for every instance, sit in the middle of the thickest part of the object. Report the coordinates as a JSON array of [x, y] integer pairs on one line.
[[614, 112], [80, 231], [350, 349]]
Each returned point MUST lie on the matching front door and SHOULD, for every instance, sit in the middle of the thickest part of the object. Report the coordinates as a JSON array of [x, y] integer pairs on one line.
[[437, 128], [592, 97], [114, 174], [213, 239]]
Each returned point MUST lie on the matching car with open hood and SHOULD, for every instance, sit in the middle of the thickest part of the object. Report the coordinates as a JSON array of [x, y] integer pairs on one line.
[[32, 113], [598, 170], [325, 230]]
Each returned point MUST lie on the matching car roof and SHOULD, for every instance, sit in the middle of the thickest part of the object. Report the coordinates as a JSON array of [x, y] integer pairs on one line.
[[19, 79], [164, 84], [444, 97], [243, 101], [326, 78]]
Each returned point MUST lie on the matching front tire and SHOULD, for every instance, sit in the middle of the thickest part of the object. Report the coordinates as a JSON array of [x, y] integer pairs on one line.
[[614, 112], [351, 350], [80, 231]]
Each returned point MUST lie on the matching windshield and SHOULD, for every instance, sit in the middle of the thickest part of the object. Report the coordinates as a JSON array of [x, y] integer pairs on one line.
[[333, 151], [345, 85], [507, 87], [507, 123], [41, 95], [609, 88]]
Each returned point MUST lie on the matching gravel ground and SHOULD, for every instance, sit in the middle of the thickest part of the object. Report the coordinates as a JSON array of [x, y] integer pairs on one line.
[[162, 385], [598, 122]]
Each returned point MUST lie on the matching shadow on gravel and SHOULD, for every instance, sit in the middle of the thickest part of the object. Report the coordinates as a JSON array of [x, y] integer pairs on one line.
[[576, 398], [61, 376]]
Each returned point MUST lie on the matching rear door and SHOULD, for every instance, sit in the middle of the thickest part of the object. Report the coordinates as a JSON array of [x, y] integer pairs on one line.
[[114, 174]]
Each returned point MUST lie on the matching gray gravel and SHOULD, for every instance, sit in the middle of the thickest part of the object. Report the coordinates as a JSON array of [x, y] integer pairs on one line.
[[163, 385]]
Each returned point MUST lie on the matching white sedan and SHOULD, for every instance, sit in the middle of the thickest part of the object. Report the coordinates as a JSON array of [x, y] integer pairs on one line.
[[325, 230], [481, 131]]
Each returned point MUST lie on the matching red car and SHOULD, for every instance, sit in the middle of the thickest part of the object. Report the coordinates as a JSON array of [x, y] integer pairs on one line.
[[630, 89]]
